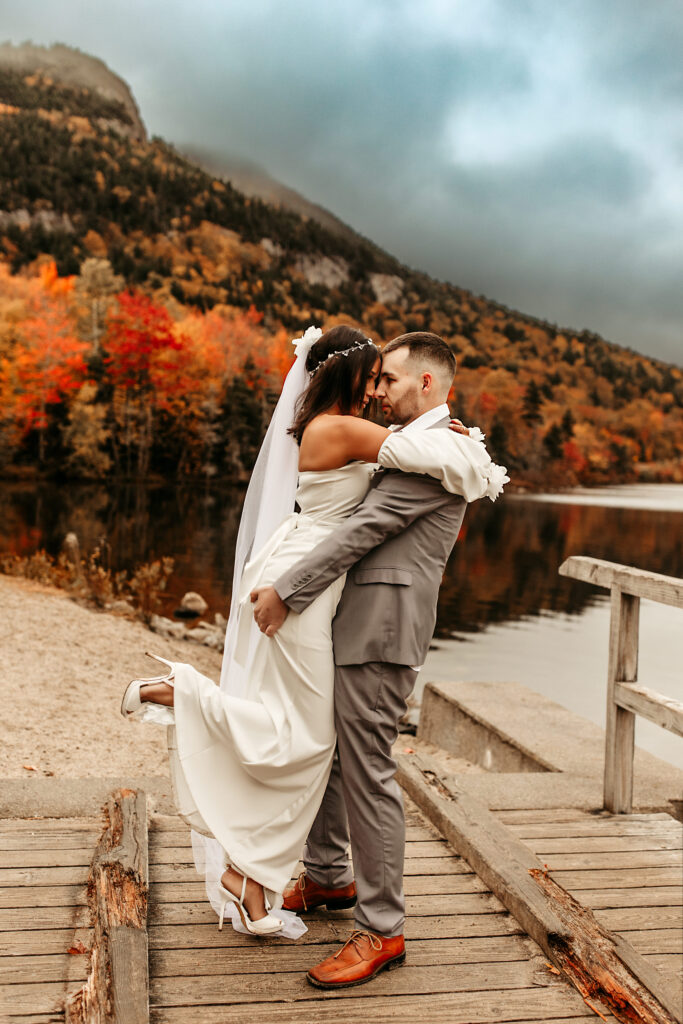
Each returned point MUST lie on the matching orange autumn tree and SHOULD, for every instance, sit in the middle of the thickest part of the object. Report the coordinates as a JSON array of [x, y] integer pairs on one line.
[[49, 363], [146, 366], [237, 369]]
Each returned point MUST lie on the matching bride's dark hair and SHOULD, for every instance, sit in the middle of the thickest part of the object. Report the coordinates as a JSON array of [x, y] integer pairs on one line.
[[338, 381]]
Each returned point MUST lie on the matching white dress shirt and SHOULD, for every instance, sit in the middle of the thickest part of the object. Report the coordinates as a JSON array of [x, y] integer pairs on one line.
[[427, 419]]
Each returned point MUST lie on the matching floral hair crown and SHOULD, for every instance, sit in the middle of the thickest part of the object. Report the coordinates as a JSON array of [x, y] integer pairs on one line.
[[344, 352]]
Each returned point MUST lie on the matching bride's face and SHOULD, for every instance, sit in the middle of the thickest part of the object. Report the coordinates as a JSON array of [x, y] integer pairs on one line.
[[370, 385]]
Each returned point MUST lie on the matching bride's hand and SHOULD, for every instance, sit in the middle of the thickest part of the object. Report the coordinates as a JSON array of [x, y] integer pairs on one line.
[[270, 611]]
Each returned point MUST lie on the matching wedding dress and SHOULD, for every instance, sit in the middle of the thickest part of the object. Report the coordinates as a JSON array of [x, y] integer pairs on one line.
[[251, 771]]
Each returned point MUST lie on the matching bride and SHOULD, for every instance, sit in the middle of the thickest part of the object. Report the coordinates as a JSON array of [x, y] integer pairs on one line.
[[250, 760]]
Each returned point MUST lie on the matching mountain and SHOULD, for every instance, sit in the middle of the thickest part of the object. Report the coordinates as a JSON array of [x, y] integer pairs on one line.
[[253, 181], [80, 181]]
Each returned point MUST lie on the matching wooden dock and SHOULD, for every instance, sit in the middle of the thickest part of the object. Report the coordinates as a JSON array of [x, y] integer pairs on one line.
[[469, 959]]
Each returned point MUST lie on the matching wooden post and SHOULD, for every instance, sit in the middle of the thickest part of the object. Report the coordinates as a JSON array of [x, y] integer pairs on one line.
[[620, 723]]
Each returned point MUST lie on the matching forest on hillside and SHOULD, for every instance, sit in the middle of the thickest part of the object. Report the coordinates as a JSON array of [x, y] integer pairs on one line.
[[146, 310]]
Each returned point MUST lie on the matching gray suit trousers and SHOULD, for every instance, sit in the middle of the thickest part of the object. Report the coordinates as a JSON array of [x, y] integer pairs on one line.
[[363, 800]]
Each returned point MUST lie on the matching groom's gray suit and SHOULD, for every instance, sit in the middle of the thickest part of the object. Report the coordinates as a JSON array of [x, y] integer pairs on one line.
[[394, 547]]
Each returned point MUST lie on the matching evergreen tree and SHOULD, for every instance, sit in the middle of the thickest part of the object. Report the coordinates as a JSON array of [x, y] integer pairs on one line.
[[567, 425], [533, 400], [553, 441], [498, 440]]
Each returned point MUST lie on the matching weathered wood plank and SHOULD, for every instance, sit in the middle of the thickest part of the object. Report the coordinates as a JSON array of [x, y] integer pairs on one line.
[[35, 877], [55, 940], [39, 918], [27, 1000], [52, 840], [670, 963], [175, 837], [666, 940], [43, 896], [432, 851], [414, 885], [171, 822], [260, 960], [245, 988], [616, 861], [658, 896], [39, 857], [556, 1004], [206, 935], [656, 707], [43, 826], [637, 582], [422, 906], [611, 827], [641, 918], [622, 878], [555, 815], [603, 844], [48, 1018], [182, 871], [66, 967]]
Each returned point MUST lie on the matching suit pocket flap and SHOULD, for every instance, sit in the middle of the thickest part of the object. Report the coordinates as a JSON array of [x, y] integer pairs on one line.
[[402, 577]]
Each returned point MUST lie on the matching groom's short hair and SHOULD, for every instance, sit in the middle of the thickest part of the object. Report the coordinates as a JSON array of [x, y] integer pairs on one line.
[[427, 348]]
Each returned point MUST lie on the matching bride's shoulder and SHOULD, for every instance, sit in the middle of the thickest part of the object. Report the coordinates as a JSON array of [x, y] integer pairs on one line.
[[330, 426], [337, 439]]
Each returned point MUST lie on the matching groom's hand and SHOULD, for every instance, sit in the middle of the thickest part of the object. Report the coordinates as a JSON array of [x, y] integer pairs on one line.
[[459, 427], [270, 611]]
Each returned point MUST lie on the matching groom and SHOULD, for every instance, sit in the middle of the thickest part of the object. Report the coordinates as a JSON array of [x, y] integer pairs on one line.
[[395, 547]]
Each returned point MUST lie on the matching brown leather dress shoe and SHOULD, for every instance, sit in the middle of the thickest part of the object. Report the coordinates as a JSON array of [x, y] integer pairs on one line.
[[306, 894], [361, 957]]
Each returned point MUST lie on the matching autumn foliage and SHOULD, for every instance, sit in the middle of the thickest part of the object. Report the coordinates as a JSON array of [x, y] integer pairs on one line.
[[99, 380], [148, 394]]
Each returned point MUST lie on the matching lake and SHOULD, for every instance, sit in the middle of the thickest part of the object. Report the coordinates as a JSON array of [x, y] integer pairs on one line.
[[504, 613]]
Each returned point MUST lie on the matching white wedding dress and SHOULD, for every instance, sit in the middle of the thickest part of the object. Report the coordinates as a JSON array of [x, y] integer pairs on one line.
[[251, 771]]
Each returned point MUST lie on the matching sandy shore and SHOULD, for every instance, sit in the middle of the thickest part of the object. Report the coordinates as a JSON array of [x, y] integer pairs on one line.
[[64, 669]]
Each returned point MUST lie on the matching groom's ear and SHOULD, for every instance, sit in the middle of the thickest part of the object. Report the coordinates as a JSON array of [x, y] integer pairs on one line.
[[427, 381]]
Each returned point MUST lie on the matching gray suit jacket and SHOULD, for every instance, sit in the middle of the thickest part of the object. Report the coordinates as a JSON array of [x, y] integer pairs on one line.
[[395, 547]]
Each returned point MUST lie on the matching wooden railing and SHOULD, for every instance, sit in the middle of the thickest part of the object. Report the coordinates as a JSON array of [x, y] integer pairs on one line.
[[625, 699]]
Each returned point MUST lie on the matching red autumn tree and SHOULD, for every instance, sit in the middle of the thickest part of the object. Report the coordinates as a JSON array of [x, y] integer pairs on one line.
[[145, 365]]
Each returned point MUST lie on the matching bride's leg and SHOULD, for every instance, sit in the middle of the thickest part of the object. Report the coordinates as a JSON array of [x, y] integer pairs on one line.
[[254, 899], [157, 693]]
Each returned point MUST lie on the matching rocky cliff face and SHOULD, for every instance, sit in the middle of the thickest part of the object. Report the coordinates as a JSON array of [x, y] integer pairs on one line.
[[70, 66]]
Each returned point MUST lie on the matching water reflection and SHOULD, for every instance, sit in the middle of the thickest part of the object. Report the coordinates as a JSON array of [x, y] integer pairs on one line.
[[503, 568]]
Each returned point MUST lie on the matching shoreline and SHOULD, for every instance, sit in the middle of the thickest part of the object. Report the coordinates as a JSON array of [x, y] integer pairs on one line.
[[648, 497], [65, 667]]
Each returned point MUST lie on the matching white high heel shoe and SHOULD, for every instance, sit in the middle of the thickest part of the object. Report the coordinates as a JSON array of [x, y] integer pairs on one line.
[[133, 707], [268, 925]]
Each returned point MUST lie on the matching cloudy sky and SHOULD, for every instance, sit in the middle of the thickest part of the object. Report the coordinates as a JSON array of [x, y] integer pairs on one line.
[[529, 150]]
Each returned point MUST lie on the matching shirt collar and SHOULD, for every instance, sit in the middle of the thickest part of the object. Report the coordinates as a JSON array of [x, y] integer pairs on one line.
[[427, 419]]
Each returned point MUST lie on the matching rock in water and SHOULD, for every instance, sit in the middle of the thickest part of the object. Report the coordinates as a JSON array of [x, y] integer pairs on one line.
[[191, 607], [71, 548]]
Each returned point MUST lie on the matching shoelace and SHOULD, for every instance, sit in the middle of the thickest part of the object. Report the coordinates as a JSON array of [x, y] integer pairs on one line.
[[301, 882], [355, 940]]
